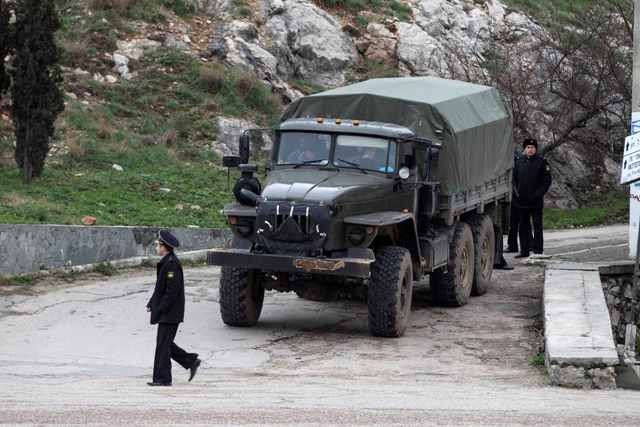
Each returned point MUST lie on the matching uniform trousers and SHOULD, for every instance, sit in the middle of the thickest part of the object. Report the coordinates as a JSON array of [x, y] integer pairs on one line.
[[514, 222], [166, 350], [527, 244]]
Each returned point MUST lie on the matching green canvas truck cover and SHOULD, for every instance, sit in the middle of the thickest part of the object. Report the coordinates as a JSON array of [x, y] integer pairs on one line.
[[471, 121]]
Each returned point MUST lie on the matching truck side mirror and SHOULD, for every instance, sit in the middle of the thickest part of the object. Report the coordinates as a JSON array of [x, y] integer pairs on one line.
[[244, 146], [231, 161]]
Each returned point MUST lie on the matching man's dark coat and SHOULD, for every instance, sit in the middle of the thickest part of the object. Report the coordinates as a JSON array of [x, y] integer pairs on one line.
[[167, 301], [531, 181]]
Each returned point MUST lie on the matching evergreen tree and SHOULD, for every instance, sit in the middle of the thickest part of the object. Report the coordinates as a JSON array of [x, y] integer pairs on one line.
[[37, 99], [5, 43]]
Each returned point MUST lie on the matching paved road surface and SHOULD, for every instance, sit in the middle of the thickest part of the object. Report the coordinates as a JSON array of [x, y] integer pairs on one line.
[[82, 353]]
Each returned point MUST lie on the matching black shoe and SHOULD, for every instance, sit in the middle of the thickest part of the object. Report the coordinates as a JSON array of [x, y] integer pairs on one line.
[[156, 384], [504, 267], [522, 256], [510, 251], [194, 369]]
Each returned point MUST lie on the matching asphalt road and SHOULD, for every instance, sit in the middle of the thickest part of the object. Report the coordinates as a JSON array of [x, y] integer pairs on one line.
[[82, 353]]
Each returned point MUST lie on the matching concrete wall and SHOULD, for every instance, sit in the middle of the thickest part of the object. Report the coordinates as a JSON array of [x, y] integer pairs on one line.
[[30, 248]]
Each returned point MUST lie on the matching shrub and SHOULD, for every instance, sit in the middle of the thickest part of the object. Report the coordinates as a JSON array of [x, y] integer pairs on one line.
[[212, 77], [74, 52], [119, 5]]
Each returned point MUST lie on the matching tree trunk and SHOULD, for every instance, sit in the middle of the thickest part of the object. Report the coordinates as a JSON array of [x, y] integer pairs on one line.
[[27, 168]]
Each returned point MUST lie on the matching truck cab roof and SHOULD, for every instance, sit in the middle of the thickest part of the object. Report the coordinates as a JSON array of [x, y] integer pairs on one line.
[[384, 130]]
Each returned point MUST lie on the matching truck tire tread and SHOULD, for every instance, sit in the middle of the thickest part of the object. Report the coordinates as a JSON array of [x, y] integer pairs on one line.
[[241, 297], [387, 316], [481, 225], [445, 290]]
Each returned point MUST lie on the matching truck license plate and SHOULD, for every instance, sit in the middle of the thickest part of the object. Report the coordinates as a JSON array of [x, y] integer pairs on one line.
[[309, 265]]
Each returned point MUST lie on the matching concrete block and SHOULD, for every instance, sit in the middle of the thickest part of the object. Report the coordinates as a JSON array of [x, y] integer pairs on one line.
[[578, 336]]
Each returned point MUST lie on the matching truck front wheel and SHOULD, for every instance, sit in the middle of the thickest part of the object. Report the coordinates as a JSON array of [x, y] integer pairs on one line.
[[390, 292], [453, 287], [241, 296], [484, 241]]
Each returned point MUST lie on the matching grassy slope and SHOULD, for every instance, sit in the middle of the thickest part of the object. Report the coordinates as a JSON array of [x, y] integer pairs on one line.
[[605, 209], [174, 100]]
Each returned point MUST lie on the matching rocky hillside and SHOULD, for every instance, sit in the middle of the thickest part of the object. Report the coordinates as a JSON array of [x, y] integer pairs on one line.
[[188, 75], [299, 44]]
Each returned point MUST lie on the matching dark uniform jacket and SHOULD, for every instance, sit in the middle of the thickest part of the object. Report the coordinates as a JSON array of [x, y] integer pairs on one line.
[[531, 181], [167, 301]]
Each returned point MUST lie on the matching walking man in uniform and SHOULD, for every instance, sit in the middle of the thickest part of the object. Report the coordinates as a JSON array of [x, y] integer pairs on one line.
[[167, 311], [531, 181]]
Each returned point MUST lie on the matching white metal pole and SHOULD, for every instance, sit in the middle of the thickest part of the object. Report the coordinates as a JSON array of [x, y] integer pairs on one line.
[[634, 200]]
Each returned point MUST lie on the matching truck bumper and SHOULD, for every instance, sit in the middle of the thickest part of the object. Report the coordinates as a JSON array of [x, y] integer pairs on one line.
[[349, 267]]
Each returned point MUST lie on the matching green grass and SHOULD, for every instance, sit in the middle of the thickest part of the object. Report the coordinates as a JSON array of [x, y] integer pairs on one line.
[[609, 208], [23, 280], [131, 197], [306, 86], [384, 7], [549, 8], [537, 360], [105, 269]]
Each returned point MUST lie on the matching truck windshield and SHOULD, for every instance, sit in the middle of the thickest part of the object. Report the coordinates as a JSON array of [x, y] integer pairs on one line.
[[365, 152], [297, 148]]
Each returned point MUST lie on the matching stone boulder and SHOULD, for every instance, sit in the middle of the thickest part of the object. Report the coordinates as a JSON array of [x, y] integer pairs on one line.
[[237, 44], [418, 52], [135, 49], [229, 131], [308, 42], [379, 44]]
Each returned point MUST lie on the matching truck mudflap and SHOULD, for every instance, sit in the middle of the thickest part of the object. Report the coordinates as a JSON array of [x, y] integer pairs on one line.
[[349, 267]]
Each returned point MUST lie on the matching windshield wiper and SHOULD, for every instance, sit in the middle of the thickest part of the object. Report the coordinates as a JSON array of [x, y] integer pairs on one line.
[[308, 162], [355, 165]]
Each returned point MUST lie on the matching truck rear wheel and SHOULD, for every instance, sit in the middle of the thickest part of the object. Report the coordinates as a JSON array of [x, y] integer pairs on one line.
[[241, 296], [390, 292], [484, 242], [453, 287]]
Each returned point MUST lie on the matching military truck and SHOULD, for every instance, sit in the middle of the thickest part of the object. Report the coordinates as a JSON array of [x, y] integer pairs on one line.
[[372, 186]]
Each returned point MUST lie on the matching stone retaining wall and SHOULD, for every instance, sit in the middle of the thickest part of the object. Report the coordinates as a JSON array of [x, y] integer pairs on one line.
[[31, 248], [623, 299]]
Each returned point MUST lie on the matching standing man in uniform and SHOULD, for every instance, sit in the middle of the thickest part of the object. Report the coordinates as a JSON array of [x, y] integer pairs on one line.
[[531, 181], [167, 311]]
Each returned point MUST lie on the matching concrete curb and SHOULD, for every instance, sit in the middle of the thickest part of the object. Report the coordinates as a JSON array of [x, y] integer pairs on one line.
[[141, 261], [579, 348]]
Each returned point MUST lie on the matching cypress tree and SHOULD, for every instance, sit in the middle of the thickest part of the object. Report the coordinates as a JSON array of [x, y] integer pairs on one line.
[[37, 98], [6, 43]]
